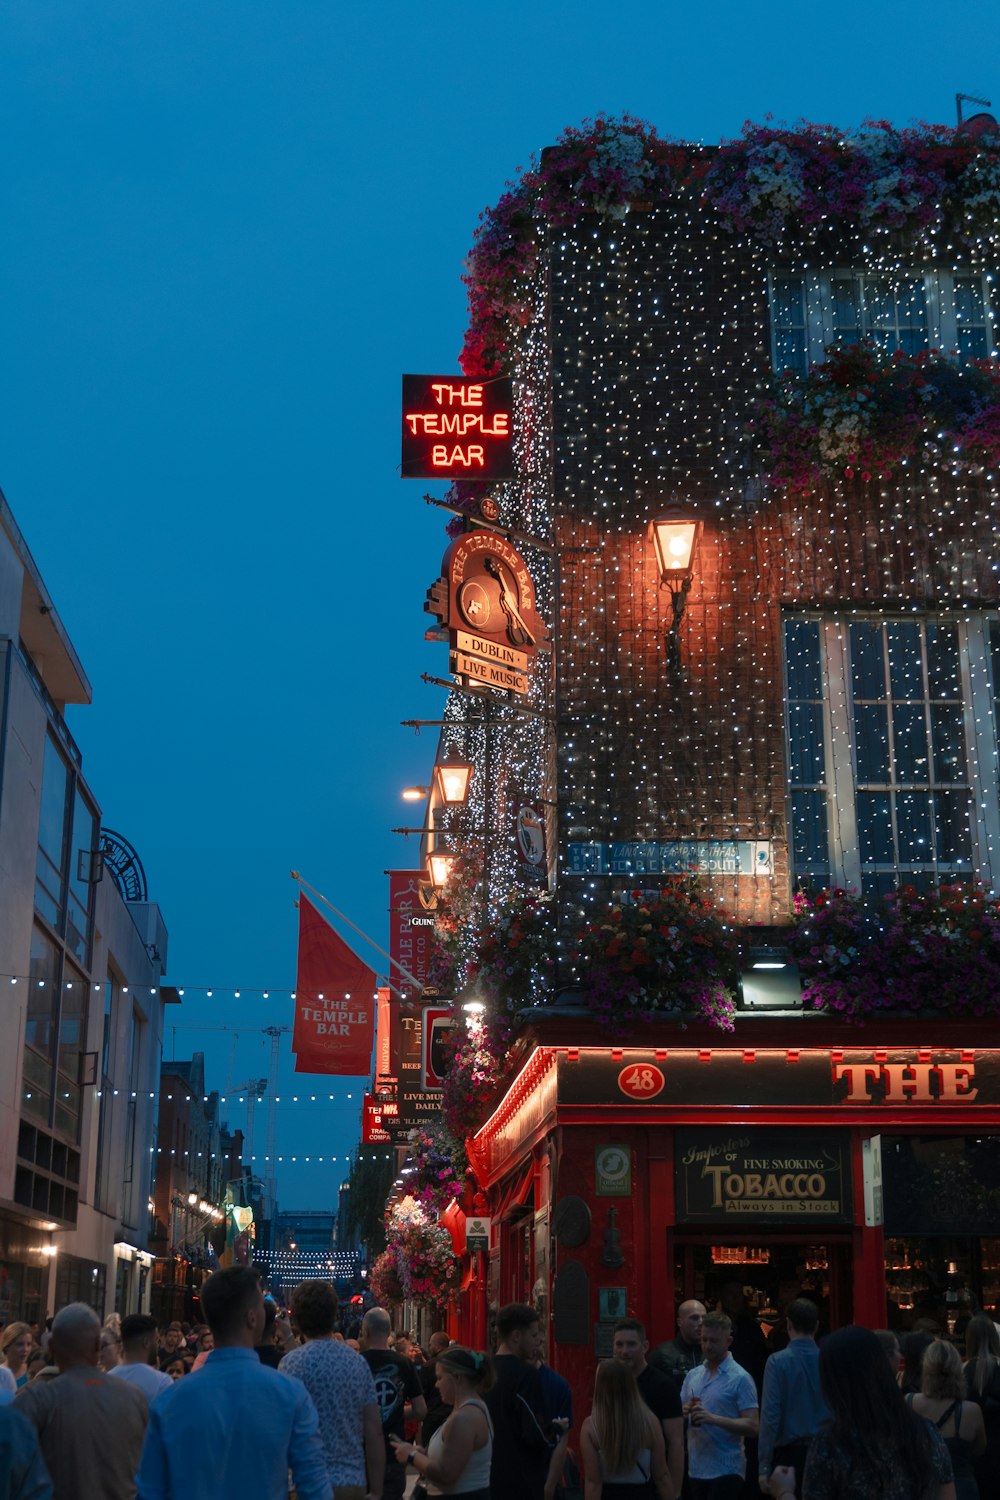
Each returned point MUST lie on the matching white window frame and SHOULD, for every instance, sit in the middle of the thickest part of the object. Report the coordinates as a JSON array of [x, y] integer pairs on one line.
[[817, 291], [840, 761]]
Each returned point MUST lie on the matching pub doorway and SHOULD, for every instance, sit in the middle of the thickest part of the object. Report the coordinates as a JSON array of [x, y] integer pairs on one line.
[[770, 1272]]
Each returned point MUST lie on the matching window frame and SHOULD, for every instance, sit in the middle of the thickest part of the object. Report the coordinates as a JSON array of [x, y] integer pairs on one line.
[[841, 782], [818, 309]]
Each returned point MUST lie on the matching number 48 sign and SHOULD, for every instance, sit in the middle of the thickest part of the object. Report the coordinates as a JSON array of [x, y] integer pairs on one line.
[[641, 1081]]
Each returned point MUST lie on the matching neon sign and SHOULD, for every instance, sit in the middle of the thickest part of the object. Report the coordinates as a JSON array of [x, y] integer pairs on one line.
[[455, 428]]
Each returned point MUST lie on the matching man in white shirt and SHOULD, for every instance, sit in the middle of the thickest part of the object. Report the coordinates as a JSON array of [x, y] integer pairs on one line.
[[140, 1360], [719, 1400]]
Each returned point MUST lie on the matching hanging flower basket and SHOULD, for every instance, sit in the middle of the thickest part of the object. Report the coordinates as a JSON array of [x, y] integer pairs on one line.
[[935, 951], [863, 413], [671, 953], [438, 1161]]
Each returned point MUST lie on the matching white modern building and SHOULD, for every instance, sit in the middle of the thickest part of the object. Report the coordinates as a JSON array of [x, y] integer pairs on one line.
[[82, 952]]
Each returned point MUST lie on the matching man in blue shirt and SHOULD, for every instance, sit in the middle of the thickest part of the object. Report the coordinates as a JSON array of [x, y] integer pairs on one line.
[[233, 1428], [719, 1400], [792, 1406], [23, 1475]]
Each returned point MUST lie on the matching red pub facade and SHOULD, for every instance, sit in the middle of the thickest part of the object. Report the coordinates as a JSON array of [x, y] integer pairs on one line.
[[808, 702]]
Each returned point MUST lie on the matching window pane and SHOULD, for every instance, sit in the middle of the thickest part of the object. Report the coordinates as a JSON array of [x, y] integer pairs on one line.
[[805, 748], [44, 965], [83, 841], [52, 822], [787, 302], [905, 663], [871, 735], [943, 671], [790, 350], [802, 659], [880, 308], [846, 308], [952, 827], [867, 670], [948, 736], [875, 828], [913, 827], [809, 837], [909, 743]]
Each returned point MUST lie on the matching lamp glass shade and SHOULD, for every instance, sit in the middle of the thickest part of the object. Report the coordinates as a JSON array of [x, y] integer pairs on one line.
[[453, 777], [675, 538], [439, 866]]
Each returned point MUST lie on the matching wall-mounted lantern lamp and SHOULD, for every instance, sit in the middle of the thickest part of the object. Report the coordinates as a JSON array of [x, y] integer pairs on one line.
[[675, 535], [439, 868], [452, 777], [770, 980]]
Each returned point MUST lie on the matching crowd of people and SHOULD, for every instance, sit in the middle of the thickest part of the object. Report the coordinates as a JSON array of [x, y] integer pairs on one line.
[[258, 1402]]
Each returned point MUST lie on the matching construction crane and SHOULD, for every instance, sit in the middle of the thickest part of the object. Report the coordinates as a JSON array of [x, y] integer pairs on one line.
[[270, 1173], [253, 1088]]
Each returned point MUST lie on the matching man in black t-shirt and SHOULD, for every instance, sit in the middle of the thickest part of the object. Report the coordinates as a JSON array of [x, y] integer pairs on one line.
[[630, 1345], [524, 1436], [397, 1391]]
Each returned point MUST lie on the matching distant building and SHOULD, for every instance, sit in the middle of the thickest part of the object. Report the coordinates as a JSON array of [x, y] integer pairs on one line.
[[82, 952], [305, 1229]]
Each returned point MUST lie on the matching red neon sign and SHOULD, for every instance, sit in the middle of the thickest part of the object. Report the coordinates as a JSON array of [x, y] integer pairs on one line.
[[455, 428]]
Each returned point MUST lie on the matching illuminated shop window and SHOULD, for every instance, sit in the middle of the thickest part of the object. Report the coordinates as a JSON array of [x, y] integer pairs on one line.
[[892, 749], [907, 310]]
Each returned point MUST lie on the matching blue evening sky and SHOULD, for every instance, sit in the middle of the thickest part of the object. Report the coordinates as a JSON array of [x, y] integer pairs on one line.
[[228, 227]]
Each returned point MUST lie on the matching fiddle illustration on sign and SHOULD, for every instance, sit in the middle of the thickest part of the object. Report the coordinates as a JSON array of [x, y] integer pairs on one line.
[[486, 601]]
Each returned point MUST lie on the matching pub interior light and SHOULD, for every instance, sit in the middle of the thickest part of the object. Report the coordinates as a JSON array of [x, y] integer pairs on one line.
[[439, 867], [770, 980], [452, 778]]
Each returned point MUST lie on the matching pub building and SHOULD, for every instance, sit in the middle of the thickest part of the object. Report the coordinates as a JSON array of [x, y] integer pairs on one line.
[[750, 639]]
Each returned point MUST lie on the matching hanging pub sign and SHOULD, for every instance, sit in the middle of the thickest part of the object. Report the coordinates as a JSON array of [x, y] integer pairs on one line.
[[455, 428], [529, 832], [762, 1177], [438, 1024], [375, 1120], [486, 601]]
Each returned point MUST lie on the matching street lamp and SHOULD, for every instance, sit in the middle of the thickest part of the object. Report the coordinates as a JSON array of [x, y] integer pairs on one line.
[[452, 777], [439, 865], [675, 536], [415, 793]]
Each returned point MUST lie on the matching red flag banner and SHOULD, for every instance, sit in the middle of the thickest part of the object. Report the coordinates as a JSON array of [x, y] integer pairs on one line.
[[411, 928], [334, 1001]]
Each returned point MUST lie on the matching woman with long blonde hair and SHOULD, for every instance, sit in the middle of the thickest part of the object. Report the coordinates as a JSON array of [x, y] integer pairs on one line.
[[960, 1422], [15, 1346], [621, 1442]]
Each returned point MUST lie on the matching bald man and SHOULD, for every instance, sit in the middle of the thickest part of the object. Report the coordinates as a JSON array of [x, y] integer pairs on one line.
[[90, 1427], [681, 1354], [397, 1390]]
